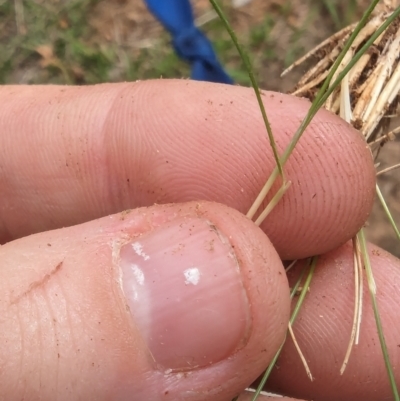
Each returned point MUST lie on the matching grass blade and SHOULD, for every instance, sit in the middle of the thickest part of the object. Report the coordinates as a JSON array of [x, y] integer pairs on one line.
[[324, 93], [313, 264], [372, 286], [298, 349], [274, 201], [387, 211], [359, 54], [257, 91]]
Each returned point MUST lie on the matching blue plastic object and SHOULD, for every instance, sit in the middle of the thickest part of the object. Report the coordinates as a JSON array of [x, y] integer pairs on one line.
[[188, 41]]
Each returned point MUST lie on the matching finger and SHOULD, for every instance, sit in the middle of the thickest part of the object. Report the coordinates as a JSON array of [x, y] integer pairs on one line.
[[162, 303], [72, 154], [323, 330]]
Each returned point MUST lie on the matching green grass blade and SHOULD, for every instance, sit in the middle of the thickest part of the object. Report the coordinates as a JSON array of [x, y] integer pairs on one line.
[[321, 97], [359, 54], [299, 303], [347, 46], [371, 283], [387, 211], [257, 91], [326, 90], [313, 265], [333, 12], [297, 285]]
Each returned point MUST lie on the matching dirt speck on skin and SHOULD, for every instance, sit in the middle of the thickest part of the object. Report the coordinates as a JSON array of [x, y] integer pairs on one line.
[[125, 213]]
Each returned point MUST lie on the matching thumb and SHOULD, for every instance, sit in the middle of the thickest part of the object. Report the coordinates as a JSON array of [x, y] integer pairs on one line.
[[168, 302]]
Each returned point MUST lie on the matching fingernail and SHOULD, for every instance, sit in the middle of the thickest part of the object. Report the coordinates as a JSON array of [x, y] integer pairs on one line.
[[184, 290]]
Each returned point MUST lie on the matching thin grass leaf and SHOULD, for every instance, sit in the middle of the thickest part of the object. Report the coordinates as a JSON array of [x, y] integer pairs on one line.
[[356, 314], [298, 282], [333, 12], [386, 170], [372, 285], [323, 94], [291, 265], [313, 264], [321, 97], [272, 363], [246, 60], [274, 201], [357, 56], [361, 289], [327, 90], [387, 211], [298, 349]]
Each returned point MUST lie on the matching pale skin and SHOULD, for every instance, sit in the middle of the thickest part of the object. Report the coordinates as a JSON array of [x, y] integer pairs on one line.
[[73, 160]]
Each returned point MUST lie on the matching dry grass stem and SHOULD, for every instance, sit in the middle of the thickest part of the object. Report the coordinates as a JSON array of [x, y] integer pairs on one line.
[[360, 266], [386, 170], [358, 291], [321, 47], [291, 265], [303, 360], [366, 97], [390, 136]]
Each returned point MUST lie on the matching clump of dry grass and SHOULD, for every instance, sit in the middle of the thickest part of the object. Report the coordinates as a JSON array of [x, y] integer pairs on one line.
[[367, 97], [369, 94], [357, 76]]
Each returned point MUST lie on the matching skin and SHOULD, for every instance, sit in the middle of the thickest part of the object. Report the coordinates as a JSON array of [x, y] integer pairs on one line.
[[198, 150], [116, 147], [326, 310]]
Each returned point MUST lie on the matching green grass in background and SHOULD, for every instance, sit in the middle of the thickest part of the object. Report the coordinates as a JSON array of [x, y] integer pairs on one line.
[[58, 44]]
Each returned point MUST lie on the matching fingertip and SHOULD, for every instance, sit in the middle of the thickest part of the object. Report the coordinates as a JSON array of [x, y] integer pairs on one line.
[[323, 329], [78, 322], [117, 146]]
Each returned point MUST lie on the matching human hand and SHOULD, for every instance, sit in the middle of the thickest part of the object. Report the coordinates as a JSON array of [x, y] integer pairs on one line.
[[76, 321]]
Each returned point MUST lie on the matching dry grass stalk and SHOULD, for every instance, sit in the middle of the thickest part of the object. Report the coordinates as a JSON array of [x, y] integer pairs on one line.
[[369, 94], [303, 359], [358, 290]]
